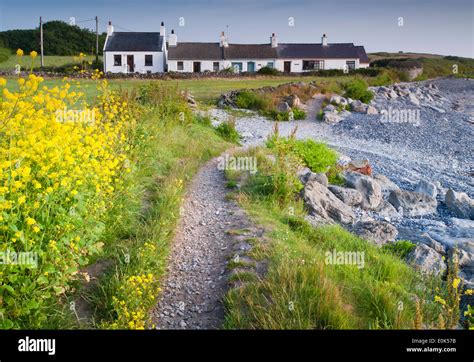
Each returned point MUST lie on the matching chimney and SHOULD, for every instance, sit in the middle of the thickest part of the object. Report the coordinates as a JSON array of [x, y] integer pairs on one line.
[[173, 39], [324, 40], [162, 29], [224, 43], [274, 41], [110, 28]]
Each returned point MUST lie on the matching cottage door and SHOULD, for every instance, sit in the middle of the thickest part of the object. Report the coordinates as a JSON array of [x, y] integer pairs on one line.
[[131, 63], [287, 67], [250, 67]]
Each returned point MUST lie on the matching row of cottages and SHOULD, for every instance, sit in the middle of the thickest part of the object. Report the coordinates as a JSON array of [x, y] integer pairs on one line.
[[130, 52]]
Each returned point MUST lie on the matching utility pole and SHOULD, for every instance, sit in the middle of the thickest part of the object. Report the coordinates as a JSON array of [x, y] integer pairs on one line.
[[97, 40], [41, 39]]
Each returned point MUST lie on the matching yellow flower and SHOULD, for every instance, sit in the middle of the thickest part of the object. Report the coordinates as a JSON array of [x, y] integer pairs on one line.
[[456, 282], [21, 200], [469, 292], [19, 52], [33, 54], [36, 229], [30, 221], [3, 82], [440, 300]]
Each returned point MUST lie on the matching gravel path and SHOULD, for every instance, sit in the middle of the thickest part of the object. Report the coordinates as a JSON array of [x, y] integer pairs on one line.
[[196, 279]]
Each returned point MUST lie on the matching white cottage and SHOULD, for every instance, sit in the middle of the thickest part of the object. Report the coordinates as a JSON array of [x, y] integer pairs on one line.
[[288, 57], [135, 52]]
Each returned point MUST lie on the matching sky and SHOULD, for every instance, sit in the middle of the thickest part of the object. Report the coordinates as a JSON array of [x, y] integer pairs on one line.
[[423, 26]]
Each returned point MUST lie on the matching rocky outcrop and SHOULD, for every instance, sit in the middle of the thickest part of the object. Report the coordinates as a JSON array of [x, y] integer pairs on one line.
[[305, 175], [386, 184], [411, 203], [367, 186], [427, 188], [379, 232], [427, 260], [460, 204], [387, 211], [359, 107], [348, 196], [324, 204]]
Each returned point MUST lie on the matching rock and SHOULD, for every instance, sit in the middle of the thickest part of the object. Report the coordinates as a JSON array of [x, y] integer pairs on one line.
[[439, 110], [433, 244], [367, 186], [284, 107], [372, 110], [360, 166], [412, 203], [338, 100], [325, 204], [343, 160], [182, 324], [379, 232], [427, 188], [463, 257], [329, 108], [330, 117], [386, 184], [294, 101], [348, 196], [460, 204], [386, 210], [413, 99], [359, 107], [305, 175], [392, 94], [427, 260]]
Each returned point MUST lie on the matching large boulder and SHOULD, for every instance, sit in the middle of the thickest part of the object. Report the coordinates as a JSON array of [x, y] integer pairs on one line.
[[426, 187], [284, 107], [460, 204], [367, 186], [323, 203], [427, 260], [379, 232], [386, 210], [294, 101], [338, 100], [386, 184], [331, 117], [372, 110], [305, 175], [348, 196], [359, 107], [412, 203], [361, 166]]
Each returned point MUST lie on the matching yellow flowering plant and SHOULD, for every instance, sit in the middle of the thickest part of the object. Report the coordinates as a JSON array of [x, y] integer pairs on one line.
[[61, 164]]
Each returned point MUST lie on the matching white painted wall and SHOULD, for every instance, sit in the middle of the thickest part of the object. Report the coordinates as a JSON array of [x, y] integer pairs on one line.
[[259, 63], [139, 60], [206, 65], [297, 64]]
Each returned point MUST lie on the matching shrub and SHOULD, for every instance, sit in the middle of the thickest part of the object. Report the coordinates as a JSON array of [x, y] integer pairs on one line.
[[228, 132], [4, 54], [251, 100], [357, 89], [401, 248], [268, 71]]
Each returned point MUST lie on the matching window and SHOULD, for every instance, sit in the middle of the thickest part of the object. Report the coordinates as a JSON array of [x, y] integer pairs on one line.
[[270, 65], [148, 60], [313, 64], [117, 60], [319, 65], [237, 66], [350, 65], [215, 66], [180, 66]]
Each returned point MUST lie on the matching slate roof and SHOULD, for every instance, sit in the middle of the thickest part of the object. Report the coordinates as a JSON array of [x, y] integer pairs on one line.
[[250, 51], [134, 42], [213, 51], [195, 51]]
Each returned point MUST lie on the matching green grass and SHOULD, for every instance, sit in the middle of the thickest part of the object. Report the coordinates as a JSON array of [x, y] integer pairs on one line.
[[49, 61], [302, 291]]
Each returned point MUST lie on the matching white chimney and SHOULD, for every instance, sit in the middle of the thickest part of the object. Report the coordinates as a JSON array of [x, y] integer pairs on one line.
[[162, 29], [110, 28], [324, 40], [224, 43], [173, 39], [274, 41]]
